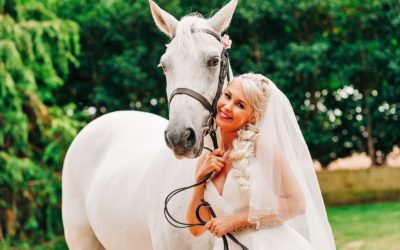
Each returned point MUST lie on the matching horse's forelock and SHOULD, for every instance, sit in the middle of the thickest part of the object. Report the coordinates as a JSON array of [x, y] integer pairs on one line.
[[184, 36]]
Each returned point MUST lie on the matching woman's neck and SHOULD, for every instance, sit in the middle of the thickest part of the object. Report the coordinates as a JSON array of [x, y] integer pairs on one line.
[[227, 139]]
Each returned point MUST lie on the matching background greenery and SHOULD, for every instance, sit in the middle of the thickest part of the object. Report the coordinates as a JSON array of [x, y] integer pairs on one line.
[[63, 63]]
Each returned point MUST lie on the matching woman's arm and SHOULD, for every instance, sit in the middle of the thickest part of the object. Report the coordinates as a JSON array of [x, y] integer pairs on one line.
[[191, 211], [219, 226], [207, 163], [195, 201], [222, 225], [291, 204]]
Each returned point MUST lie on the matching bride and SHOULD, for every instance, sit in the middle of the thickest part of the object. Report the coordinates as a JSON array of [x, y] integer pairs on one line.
[[263, 189]]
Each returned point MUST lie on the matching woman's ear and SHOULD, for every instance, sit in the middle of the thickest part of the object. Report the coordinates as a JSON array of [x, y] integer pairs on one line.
[[253, 119]]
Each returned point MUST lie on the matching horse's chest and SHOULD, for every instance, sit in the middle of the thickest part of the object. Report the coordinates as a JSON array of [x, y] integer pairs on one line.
[[114, 210]]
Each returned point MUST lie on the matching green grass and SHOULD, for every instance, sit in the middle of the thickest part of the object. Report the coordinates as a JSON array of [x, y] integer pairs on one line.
[[356, 227], [366, 227]]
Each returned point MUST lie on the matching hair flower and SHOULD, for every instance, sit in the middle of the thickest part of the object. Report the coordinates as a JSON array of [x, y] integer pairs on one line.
[[226, 41]]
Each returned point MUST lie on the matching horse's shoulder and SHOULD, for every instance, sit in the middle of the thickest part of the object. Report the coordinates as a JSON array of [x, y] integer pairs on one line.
[[126, 118], [128, 115]]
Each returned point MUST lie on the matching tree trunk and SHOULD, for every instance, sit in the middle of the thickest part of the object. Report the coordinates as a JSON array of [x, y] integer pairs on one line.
[[11, 216], [1, 234], [370, 139]]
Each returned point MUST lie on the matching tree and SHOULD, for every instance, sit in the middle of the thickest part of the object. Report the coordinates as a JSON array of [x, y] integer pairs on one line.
[[36, 51], [314, 50]]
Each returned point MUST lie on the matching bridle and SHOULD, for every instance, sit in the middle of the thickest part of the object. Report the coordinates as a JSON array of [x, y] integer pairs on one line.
[[210, 128]]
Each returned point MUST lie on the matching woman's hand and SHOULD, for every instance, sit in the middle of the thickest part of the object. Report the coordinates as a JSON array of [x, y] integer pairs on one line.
[[214, 161], [220, 226]]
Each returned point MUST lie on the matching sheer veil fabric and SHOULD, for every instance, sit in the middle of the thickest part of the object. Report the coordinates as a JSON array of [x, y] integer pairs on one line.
[[284, 185]]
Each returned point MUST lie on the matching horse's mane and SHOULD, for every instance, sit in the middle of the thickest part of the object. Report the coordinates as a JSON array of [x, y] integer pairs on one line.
[[184, 36]]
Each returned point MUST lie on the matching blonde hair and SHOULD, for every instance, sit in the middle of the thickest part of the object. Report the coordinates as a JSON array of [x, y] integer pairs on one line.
[[256, 90]]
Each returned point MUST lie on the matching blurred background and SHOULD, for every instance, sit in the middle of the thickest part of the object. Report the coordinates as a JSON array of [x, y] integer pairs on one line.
[[64, 63]]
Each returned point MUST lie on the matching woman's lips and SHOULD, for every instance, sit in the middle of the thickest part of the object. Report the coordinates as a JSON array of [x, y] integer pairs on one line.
[[224, 116]]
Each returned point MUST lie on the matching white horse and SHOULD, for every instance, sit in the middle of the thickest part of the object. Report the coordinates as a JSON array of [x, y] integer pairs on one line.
[[118, 170]]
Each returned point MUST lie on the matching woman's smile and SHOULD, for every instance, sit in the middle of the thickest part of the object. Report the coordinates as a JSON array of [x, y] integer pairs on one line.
[[224, 116], [233, 110]]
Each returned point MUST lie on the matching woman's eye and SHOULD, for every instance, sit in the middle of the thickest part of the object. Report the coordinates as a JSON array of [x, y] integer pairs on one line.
[[227, 96], [213, 62], [240, 105]]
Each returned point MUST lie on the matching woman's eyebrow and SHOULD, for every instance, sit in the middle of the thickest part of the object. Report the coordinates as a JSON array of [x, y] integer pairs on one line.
[[243, 102]]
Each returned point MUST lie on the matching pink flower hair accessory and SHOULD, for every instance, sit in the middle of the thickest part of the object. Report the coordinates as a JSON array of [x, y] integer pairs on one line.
[[226, 41]]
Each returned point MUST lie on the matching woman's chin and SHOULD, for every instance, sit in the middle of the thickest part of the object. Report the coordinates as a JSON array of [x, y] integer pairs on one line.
[[220, 124], [224, 126]]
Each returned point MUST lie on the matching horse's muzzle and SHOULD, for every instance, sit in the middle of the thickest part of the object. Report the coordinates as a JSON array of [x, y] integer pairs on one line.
[[181, 141]]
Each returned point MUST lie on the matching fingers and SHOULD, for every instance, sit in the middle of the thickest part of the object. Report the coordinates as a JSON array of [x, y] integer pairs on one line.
[[208, 224], [225, 155], [216, 166], [218, 152], [215, 163], [213, 227], [216, 158]]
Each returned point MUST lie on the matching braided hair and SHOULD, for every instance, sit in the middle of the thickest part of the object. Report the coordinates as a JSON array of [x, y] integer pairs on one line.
[[256, 90]]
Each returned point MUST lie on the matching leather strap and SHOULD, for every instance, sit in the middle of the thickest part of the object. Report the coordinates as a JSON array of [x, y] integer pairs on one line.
[[224, 73], [192, 93], [204, 203]]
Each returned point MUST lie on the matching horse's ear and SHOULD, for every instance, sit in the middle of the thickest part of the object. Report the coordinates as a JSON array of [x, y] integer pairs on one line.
[[221, 20], [165, 21]]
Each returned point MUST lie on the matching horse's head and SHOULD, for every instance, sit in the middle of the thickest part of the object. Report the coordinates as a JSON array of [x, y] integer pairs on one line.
[[191, 61]]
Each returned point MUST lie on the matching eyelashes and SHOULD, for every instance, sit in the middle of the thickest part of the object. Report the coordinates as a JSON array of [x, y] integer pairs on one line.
[[239, 104]]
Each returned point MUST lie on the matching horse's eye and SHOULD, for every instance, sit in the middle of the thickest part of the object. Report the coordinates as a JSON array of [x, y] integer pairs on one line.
[[213, 62]]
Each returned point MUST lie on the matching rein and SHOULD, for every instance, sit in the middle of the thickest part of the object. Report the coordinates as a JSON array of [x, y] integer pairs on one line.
[[210, 128]]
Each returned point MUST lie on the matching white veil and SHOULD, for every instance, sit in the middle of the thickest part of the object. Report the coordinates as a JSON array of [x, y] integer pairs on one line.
[[284, 185]]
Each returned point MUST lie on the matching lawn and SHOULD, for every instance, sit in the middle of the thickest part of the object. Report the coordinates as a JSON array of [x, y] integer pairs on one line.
[[356, 227], [366, 227]]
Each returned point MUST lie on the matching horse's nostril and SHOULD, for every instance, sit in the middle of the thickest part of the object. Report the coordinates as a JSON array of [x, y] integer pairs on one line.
[[190, 137]]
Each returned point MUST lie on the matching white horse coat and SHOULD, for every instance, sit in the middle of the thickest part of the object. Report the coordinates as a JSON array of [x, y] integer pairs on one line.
[[117, 174], [118, 170]]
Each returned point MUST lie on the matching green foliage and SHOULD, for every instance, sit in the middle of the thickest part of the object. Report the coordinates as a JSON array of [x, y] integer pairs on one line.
[[314, 50], [36, 51], [338, 62], [121, 48]]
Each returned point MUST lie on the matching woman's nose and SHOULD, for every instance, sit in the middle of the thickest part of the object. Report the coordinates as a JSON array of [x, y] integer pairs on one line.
[[228, 106]]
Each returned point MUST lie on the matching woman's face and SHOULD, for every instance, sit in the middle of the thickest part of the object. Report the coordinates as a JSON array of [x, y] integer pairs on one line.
[[233, 110]]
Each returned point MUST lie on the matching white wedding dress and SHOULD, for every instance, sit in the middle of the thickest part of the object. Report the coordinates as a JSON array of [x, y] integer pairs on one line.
[[234, 200]]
